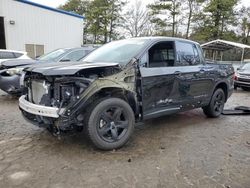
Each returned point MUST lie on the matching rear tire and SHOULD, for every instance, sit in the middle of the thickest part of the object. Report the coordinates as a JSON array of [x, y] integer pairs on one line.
[[109, 123], [216, 105]]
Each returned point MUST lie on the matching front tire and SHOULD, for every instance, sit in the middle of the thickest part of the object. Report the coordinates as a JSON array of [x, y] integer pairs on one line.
[[216, 105], [110, 123]]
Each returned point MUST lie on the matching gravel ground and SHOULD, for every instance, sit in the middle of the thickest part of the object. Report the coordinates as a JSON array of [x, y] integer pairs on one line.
[[183, 150]]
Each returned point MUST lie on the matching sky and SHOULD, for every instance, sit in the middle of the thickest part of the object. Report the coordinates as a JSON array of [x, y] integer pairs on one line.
[[56, 3]]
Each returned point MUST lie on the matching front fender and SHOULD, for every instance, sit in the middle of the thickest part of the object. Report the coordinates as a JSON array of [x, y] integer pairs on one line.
[[123, 81]]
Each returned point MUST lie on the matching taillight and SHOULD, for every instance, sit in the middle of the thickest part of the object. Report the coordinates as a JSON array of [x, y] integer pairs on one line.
[[235, 76]]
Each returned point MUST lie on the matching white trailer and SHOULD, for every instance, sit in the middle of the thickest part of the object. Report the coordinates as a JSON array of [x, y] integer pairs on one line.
[[37, 29]]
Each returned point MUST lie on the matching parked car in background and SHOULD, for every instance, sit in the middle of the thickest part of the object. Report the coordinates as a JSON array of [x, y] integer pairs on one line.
[[10, 71], [121, 83], [12, 54], [242, 77]]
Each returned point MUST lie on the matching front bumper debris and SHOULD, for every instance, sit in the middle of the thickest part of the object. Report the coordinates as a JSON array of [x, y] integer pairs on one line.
[[38, 109]]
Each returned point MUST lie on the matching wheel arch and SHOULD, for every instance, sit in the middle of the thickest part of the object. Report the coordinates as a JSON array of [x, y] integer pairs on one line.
[[224, 86], [117, 92], [106, 92]]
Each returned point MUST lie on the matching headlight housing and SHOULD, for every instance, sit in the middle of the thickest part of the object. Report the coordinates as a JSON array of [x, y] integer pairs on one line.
[[22, 79], [15, 71]]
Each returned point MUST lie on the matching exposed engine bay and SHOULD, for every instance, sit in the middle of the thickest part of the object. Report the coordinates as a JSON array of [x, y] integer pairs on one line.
[[58, 91]]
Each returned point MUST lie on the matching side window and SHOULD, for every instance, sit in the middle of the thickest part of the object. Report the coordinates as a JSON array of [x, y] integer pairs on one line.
[[6, 55], [161, 55], [187, 54], [196, 55], [74, 56], [200, 53]]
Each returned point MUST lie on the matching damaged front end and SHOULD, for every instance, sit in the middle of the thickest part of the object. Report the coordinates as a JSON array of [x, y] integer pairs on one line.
[[59, 102], [47, 97]]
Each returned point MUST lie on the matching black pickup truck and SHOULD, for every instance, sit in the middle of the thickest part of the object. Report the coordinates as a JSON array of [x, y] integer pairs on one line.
[[122, 83]]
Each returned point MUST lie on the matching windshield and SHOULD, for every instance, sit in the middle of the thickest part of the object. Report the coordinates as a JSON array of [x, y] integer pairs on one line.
[[52, 56], [118, 51], [246, 66]]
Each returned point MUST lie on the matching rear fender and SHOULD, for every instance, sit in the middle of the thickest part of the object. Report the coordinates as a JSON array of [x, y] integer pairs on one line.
[[225, 86]]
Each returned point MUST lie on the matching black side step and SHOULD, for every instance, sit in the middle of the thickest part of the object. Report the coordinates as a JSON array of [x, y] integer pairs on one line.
[[235, 112], [244, 108], [238, 110]]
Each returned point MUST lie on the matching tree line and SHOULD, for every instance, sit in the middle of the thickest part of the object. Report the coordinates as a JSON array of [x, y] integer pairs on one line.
[[199, 20]]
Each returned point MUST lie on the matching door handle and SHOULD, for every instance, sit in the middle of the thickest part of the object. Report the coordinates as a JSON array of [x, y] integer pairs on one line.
[[177, 72], [202, 71]]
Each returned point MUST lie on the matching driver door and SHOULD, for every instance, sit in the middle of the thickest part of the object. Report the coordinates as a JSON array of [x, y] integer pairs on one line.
[[158, 83]]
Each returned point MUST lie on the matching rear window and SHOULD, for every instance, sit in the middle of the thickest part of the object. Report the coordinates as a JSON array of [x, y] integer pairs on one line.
[[75, 55], [17, 55], [187, 54], [53, 56]]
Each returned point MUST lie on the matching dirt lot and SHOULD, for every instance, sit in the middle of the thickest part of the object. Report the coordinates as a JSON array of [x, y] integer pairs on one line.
[[184, 150]]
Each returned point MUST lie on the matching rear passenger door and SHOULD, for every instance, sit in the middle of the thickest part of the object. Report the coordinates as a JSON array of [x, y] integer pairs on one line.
[[192, 76]]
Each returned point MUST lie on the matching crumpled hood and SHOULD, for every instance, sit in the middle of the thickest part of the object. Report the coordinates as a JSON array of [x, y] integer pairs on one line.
[[65, 68], [19, 62]]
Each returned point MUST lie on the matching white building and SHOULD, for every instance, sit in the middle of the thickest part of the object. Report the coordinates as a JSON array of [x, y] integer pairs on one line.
[[37, 29]]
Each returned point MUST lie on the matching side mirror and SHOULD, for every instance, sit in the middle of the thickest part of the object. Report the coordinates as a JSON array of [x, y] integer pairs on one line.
[[143, 64], [64, 60]]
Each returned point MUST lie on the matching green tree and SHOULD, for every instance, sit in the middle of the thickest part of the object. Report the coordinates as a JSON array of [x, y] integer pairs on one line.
[[244, 24], [222, 15], [191, 6], [101, 17], [216, 20], [170, 8], [77, 6]]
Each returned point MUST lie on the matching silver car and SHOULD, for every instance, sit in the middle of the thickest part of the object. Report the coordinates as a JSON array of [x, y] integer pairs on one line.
[[10, 71]]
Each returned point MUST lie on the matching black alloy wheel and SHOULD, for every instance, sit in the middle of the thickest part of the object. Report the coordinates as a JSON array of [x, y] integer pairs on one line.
[[109, 123], [219, 102], [216, 105], [113, 124]]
